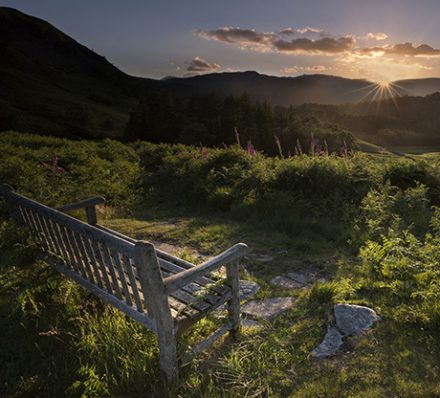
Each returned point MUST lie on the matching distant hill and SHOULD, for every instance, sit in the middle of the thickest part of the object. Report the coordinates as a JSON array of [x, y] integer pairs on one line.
[[418, 87], [286, 91], [54, 85], [276, 90]]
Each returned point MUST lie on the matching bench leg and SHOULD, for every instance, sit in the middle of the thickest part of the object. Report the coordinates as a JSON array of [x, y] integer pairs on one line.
[[168, 358], [232, 273]]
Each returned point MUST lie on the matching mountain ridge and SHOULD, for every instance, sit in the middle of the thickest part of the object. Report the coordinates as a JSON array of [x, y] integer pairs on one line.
[[52, 84]]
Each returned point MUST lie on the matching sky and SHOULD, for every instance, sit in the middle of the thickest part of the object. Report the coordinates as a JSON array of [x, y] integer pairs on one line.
[[382, 41]]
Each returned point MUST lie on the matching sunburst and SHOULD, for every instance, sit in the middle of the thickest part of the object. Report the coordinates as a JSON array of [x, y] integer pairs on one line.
[[380, 91]]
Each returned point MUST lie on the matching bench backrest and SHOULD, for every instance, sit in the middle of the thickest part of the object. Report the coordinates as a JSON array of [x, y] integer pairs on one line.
[[115, 265]]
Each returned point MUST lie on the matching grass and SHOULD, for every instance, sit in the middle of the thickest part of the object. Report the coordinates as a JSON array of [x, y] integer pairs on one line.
[[58, 340]]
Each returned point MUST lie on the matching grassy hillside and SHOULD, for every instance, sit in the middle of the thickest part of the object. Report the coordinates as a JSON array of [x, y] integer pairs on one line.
[[368, 222]]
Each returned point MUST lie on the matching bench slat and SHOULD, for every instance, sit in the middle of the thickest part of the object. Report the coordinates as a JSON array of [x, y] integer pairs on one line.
[[95, 265], [126, 263], [40, 227], [52, 238], [81, 257], [61, 244], [122, 278], [70, 256], [107, 259], [27, 220]]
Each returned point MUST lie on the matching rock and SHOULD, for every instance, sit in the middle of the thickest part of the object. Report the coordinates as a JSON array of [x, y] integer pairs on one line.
[[350, 320], [248, 288], [285, 283], [167, 247], [304, 278], [331, 343], [354, 319], [264, 258], [250, 323], [267, 308]]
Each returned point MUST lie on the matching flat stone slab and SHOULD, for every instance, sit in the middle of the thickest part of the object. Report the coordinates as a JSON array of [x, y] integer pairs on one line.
[[263, 258], [303, 277], [331, 343], [354, 319], [285, 283], [248, 288], [267, 308], [250, 323]]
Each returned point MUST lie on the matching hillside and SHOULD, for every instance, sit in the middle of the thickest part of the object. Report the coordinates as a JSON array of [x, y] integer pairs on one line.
[[413, 121], [52, 84], [283, 91]]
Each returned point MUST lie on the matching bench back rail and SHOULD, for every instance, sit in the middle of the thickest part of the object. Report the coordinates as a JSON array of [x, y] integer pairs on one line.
[[92, 256]]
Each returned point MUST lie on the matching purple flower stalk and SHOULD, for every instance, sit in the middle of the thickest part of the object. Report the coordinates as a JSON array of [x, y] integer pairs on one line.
[[344, 149], [278, 142], [298, 149], [325, 148], [237, 136], [54, 168], [312, 144], [250, 148], [203, 153]]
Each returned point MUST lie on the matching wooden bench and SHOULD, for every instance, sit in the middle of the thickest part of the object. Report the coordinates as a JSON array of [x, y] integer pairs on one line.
[[162, 292]]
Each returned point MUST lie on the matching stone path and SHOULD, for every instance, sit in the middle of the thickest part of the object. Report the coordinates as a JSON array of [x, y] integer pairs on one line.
[[351, 320], [300, 279], [267, 308], [247, 289]]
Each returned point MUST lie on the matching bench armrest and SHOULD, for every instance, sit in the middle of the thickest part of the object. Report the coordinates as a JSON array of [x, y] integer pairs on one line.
[[88, 205], [177, 281]]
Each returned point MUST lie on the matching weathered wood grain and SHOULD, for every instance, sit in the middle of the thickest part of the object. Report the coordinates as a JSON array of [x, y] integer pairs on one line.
[[83, 204], [154, 289], [233, 280], [179, 280]]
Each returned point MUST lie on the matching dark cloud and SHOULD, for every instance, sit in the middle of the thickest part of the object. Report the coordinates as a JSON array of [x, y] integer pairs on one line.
[[237, 36], [423, 50], [269, 41], [402, 50], [200, 65], [326, 45]]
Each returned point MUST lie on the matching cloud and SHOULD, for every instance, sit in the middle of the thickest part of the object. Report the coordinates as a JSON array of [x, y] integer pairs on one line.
[[249, 38], [303, 31], [348, 50], [269, 41], [408, 49], [200, 65], [379, 36], [399, 50], [305, 69], [326, 45]]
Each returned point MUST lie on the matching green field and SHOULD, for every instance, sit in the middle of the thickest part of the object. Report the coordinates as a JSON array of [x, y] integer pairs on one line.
[[369, 222]]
